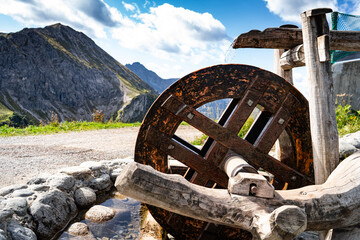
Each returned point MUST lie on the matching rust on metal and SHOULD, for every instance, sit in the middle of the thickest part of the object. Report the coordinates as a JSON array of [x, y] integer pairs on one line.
[[284, 109]]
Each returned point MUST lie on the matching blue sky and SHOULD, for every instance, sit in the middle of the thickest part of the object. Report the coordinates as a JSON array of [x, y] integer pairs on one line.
[[172, 38]]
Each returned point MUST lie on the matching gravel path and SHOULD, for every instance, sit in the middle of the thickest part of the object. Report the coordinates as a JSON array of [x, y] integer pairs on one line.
[[22, 158]]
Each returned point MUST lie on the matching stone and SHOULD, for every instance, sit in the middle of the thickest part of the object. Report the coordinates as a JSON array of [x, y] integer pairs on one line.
[[16, 204], [96, 168], [62, 181], [52, 211], [9, 189], [39, 188], [77, 172], [85, 197], [42, 178], [353, 139], [92, 165], [346, 149], [18, 232], [307, 236], [78, 229], [101, 183], [6, 214], [99, 214], [114, 173], [22, 193], [2, 235]]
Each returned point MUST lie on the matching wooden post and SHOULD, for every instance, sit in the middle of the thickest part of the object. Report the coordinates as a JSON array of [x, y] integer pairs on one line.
[[283, 147], [286, 74], [324, 131]]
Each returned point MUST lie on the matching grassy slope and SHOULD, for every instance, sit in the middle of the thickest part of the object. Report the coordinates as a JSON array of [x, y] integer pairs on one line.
[[55, 127], [5, 113], [348, 122]]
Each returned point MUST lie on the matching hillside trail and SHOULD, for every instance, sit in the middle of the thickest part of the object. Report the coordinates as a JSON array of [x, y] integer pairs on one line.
[[25, 157]]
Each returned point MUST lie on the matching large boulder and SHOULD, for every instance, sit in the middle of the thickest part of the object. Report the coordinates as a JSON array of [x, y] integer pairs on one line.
[[51, 212]]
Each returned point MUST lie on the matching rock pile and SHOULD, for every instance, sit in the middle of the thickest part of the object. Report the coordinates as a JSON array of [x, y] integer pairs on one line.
[[46, 204]]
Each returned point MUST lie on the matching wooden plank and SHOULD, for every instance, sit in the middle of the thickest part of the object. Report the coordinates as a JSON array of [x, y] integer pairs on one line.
[[276, 125], [333, 204], [324, 48], [318, 11], [279, 38], [324, 133], [288, 38]]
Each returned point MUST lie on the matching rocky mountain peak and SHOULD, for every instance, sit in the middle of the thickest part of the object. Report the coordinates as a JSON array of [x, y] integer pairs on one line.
[[156, 82], [57, 69]]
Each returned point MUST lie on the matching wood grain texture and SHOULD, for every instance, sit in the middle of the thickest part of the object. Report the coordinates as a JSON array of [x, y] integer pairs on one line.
[[288, 38], [324, 133], [333, 204]]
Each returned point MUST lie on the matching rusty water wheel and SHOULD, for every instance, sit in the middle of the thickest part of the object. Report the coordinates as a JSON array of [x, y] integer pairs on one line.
[[284, 111]]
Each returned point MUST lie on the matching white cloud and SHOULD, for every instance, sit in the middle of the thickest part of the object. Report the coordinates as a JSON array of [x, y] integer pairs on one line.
[[149, 4], [352, 7], [164, 34], [168, 31], [91, 16], [131, 7], [290, 10]]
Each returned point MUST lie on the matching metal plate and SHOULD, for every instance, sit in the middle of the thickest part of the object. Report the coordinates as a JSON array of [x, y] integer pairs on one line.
[[285, 110]]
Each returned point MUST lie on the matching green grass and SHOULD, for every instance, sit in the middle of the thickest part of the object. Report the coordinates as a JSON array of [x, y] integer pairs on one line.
[[348, 120], [201, 139], [55, 127], [5, 113]]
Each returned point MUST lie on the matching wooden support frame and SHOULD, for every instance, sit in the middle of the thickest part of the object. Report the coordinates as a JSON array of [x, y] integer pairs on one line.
[[283, 145], [323, 125], [287, 38], [283, 217]]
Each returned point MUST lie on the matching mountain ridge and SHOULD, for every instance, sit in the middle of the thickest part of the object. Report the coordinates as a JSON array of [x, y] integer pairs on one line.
[[57, 69], [150, 77], [212, 110]]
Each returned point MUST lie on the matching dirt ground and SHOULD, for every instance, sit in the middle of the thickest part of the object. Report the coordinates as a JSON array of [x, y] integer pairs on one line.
[[22, 158]]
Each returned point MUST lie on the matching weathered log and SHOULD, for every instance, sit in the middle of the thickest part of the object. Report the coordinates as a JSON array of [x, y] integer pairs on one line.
[[294, 57], [324, 133], [287, 38], [334, 204]]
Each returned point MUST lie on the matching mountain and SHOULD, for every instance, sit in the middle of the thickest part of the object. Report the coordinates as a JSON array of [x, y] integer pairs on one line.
[[212, 110], [59, 71], [156, 82]]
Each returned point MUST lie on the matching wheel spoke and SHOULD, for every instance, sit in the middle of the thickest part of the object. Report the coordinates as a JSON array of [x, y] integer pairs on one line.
[[276, 125], [232, 141], [223, 119], [185, 155]]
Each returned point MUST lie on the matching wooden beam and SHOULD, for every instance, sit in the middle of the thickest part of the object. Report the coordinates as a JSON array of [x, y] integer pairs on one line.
[[287, 38], [324, 133], [278, 53], [283, 146], [334, 204], [294, 57]]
